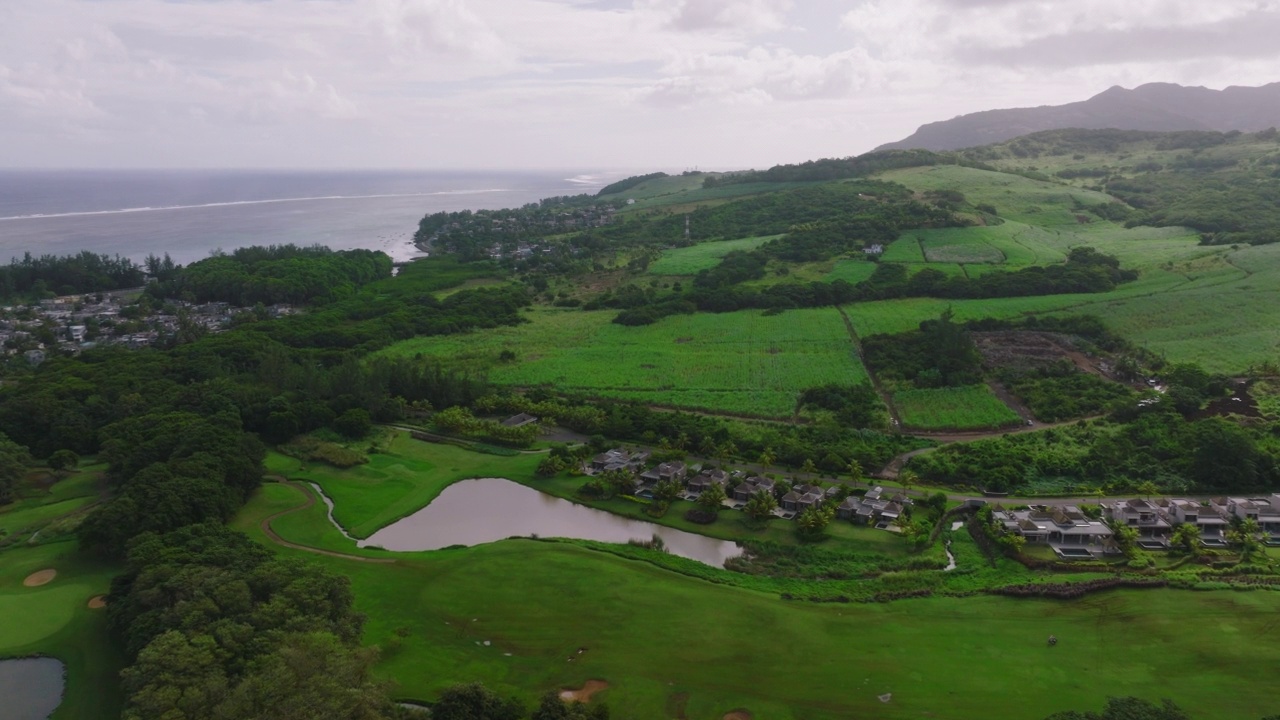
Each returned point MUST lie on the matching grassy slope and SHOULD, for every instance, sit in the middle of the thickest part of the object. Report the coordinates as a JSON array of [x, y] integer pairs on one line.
[[740, 362], [405, 478], [1212, 305], [703, 256], [654, 634]]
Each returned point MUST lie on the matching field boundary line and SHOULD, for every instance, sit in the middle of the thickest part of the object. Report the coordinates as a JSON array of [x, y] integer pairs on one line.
[[875, 381]]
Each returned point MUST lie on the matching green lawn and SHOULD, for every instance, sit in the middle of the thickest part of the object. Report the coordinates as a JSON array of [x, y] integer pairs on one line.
[[400, 481], [742, 363], [54, 620], [514, 615], [703, 256], [962, 408]]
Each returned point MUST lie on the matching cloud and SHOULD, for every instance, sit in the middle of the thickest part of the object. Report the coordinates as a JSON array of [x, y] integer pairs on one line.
[[1248, 36], [760, 75], [745, 17]]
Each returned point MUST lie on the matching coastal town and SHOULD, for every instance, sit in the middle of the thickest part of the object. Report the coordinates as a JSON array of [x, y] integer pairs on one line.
[[71, 324]]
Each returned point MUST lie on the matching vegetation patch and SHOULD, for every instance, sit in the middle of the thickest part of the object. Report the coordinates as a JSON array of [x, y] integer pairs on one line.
[[972, 407]]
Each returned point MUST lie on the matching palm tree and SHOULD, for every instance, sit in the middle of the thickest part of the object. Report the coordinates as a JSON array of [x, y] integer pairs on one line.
[[855, 472], [727, 451], [1187, 535], [712, 497], [907, 477], [809, 467], [761, 505], [766, 458]]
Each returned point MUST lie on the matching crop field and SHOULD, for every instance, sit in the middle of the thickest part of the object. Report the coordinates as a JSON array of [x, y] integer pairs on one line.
[[738, 363], [525, 617], [703, 256], [1015, 198], [851, 271], [685, 192], [972, 407]]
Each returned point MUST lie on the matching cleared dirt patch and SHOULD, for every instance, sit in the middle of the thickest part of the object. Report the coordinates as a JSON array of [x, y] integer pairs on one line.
[[584, 693], [1030, 349], [737, 715], [42, 577], [97, 602]]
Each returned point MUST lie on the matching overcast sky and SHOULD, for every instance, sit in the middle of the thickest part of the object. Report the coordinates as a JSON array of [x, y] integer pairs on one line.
[[591, 84]]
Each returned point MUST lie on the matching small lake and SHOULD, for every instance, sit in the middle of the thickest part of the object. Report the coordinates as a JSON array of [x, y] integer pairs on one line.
[[30, 688], [474, 512]]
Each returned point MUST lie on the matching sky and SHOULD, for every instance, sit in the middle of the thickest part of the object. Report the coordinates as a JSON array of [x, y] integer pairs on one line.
[[526, 84]]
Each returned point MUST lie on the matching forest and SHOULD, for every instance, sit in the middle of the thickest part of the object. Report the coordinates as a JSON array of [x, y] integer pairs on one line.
[[275, 274]]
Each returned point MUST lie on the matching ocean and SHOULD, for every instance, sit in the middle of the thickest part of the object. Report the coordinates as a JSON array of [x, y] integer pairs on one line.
[[191, 213]]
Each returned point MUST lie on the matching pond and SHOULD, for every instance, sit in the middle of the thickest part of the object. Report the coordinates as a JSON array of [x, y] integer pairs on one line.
[[473, 512], [30, 688]]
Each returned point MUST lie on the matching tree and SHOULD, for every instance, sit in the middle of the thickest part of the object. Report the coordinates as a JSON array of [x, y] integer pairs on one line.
[[809, 467], [812, 523], [1243, 535], [475, 702], [667, 490], [13, 466], [552, 707], [712, 498], [1125, 539], [1187, 536], [767, 458], [63, 459], [354, 423], [727, 451], [908, 478], [1147, 488], [550, 466], [855, 472], [760, 505]]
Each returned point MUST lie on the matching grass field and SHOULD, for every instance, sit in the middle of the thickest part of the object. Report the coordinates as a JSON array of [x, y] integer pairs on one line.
[[703, 256], [851, 271], [514, 614], [404, 478], [742, 363], [973, 407], [1015, 198], [55, 620]]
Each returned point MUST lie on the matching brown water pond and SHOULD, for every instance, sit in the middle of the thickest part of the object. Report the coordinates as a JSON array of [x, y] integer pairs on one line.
[[30, 688], [474, 512]]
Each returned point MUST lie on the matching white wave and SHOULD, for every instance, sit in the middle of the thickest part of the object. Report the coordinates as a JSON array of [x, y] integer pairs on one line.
[[48, 216]]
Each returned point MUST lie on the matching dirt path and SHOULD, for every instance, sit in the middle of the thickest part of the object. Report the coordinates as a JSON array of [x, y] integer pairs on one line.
[[894, 420], [265, 526], [1012, 402]]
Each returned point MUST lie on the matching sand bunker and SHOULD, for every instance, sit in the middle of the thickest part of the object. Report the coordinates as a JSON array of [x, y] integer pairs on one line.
[[43, 577], [737, 715], [97, 602], [584, 694]]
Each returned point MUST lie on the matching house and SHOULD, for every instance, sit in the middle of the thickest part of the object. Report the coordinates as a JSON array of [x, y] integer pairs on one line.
[[668, 471], [751, 486], [520, 420], [873, 508], [1150, 520], [1068, 531], [803, 497], [35, 357], [615, 459], [704, 480]]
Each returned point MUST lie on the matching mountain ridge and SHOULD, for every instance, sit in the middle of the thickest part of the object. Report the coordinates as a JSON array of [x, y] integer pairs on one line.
[[1161, 107]]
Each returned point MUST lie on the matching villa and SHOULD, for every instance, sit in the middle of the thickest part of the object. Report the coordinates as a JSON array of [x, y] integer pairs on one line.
[[1068, 531]]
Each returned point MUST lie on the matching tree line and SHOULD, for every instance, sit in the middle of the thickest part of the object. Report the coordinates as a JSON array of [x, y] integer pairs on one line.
[[36, 277], [275, 274]]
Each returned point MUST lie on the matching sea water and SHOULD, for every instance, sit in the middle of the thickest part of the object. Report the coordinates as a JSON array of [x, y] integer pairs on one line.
[[191, 213]]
